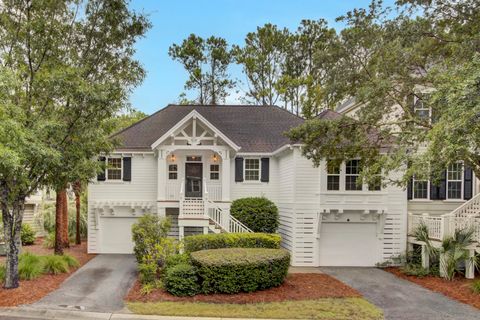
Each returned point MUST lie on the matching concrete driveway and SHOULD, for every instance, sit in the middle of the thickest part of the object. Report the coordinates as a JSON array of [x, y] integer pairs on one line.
[[401, 299], [99, 285]]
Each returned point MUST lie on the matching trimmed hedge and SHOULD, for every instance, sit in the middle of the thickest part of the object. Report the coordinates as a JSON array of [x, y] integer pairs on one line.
[[240, 269], [231, 240], [258, 213], [181, 280]]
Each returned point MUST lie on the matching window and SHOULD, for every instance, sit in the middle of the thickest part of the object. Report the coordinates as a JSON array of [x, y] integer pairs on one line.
[[214, 172], [454, 181], [252, 169], [333, 175], [114, 169], [420, 189], [172, 171], [422, 111], [352, 173]]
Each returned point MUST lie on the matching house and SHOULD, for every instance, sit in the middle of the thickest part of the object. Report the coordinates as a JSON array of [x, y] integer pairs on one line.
[[451, 204], [189, 162]]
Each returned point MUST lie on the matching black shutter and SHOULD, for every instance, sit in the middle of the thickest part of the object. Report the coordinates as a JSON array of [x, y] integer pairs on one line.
[[238, 169], [101, 174], [265, 170], [410, 190], [434, 191], [442, 188], [468, 183], [127, 169]]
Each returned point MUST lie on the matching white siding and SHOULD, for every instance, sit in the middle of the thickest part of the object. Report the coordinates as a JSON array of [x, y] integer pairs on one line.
[[142, 187]]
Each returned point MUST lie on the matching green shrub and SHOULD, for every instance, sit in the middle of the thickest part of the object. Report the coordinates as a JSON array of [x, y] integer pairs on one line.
[[149, 231], [71, 261], [415, 270], [240, 269], [30, 266], [475, 286], [175, 259], [231, 240], [54, 265], [47, 216], [49, 240], [181, 280], [257, 213], [27, 234], [148, 272]]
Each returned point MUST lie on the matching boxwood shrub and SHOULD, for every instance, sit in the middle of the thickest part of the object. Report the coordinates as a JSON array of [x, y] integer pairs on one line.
[[231, 240], [257, 213], [234, 270], [181, 280]]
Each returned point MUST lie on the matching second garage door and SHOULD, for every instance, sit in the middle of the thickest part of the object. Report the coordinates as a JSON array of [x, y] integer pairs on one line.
[[116, 235], [349, 244]]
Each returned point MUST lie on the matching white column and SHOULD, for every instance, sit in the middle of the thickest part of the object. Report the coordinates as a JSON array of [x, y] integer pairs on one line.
[[205, 230], [469, 266], [181, 232], [425, 258], [225, 175], [162, 175]]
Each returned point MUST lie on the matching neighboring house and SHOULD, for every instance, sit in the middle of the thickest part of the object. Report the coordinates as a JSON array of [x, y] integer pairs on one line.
[[31, 212], [189, 162]]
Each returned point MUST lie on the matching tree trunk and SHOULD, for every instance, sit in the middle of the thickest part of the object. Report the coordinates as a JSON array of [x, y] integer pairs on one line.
[[12, 221], [77, 188], [59, 223], [65, 239]]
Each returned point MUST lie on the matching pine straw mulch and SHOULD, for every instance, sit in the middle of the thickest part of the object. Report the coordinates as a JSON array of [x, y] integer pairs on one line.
[[298, 286], [33, 290], [458, 289]]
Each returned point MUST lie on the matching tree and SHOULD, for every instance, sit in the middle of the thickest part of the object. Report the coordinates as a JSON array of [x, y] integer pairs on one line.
[[261, 58], [206, 62], [66, 68], [126, 119], [426, 54]]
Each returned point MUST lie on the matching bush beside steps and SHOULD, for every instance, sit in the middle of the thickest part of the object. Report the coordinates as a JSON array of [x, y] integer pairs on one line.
[[231, 240]]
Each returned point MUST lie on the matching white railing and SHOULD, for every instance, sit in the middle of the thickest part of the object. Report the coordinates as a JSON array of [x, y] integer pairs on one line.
[[172, 190], [439, 227], [224, 220], [192, 207]]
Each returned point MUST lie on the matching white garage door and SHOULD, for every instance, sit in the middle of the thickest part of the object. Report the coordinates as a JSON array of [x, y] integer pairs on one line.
[[116, 235], [349, 244]]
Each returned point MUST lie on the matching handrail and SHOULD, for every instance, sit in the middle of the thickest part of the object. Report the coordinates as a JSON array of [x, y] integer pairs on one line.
[[225, 220], [464, 205]]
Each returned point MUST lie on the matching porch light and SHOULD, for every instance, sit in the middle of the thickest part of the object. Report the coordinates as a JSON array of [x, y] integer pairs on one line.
[[172, 157], [215, 158]]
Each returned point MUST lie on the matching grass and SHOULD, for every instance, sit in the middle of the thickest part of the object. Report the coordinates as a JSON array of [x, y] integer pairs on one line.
[[476, 286], [320, 309], [54, 265]]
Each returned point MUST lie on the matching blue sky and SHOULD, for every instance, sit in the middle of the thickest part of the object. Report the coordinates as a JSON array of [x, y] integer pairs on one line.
[[174, 20]]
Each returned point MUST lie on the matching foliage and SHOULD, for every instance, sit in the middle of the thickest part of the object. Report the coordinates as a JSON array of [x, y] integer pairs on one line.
[[30, 266], [206, 61], [48, 217], [234, 270], [231, 240], [421, 234], [71, 262], [475, 286], [147, 288], [453, 251], [55, 264], [27, 234], [49, 240], [2, 273], [126, 119], [257, 213], [385, 60], [180, 258], [150, 230], [148, 272], [415, 270], [181, 280]]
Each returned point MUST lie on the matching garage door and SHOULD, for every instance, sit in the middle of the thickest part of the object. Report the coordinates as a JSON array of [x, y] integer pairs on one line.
[[349, 244], [116, 235]]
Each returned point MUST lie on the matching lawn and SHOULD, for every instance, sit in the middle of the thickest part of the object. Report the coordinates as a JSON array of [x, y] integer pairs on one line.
[[350, 308]]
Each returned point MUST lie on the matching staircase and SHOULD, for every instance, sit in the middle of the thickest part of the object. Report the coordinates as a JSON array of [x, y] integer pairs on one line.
[[439, 227], [194, 212]]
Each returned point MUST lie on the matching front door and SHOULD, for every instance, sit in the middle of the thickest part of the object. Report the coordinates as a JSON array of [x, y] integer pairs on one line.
[[193, 180]]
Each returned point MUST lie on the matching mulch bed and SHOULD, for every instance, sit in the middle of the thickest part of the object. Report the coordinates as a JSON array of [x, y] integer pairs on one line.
[[458, 289], [33, 290], [299, 286]]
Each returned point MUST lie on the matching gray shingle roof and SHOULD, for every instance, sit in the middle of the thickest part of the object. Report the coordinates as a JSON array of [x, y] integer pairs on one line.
[[253, 128]]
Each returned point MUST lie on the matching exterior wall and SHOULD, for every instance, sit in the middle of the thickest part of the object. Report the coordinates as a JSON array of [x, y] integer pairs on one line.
[[285, 204], [255, 188], [434, 207], [142, 187]]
